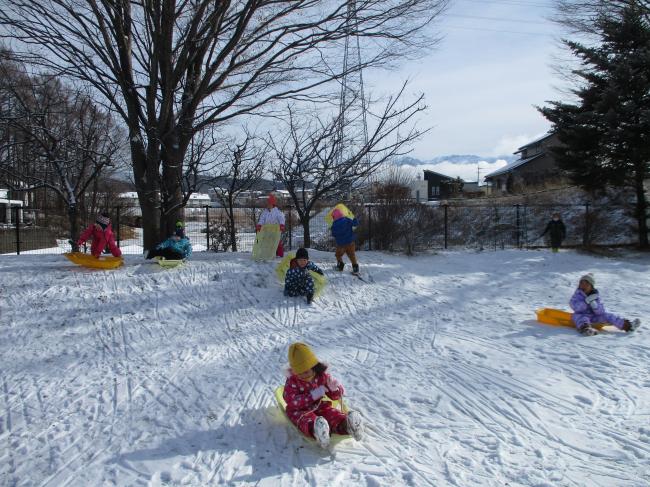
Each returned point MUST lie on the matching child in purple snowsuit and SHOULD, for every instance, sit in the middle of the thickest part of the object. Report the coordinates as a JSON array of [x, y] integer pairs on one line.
[[588, 309]]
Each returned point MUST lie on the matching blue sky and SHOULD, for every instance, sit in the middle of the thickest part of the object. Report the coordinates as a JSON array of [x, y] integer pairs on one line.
[[481, 82]]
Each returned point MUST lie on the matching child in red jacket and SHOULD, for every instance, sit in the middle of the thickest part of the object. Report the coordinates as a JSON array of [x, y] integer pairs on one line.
[[304, 391], [102, 235]]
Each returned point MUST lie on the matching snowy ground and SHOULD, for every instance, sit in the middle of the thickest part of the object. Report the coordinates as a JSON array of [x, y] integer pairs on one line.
[[142, 376]]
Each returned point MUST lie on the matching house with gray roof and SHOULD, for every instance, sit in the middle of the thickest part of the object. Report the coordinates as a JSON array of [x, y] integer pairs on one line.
[[535, 166]]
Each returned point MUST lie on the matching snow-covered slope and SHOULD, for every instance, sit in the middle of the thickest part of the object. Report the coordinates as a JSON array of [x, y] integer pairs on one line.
[[142, 376]]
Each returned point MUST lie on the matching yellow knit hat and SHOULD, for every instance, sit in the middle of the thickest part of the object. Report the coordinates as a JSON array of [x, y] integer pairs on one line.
[[301, 358]]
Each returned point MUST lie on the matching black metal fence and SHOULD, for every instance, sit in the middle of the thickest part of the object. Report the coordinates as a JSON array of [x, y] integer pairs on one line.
[[406, 227]]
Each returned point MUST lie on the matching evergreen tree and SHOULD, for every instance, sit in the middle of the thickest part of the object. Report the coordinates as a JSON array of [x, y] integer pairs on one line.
[[605, 136]]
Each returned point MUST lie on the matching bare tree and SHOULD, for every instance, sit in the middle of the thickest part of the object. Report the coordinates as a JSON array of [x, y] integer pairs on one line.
[[60, 140], [174, 68], [312, 166], [242, 166], [578, 16]]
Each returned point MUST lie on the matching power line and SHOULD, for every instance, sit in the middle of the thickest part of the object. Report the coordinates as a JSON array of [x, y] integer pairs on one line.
[[516, 3], [500, 19], [541, 34]]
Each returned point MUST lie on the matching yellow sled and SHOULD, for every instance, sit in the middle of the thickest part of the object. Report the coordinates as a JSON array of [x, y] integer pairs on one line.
[[266, 242], [283, 267], [87, 260], [168, 263], [335, 438], [344, 209], [557, 317]]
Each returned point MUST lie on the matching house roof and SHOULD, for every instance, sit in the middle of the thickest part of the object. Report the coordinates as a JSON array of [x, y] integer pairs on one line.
[[536, 141], [513, 165], [438, 174]]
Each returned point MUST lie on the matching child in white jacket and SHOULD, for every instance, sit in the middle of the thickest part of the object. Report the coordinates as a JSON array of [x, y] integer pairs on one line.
[[272, 215]]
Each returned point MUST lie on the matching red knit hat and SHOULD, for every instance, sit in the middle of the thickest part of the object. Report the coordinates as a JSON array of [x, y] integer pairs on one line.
[[272, 199]]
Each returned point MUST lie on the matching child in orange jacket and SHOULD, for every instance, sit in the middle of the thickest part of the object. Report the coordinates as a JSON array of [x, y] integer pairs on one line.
[[307, 385]]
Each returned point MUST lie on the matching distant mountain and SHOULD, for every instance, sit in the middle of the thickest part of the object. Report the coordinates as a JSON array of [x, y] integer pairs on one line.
[[454, 159]]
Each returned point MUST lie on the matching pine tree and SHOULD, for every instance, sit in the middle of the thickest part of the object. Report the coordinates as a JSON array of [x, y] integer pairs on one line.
[[605, 136]]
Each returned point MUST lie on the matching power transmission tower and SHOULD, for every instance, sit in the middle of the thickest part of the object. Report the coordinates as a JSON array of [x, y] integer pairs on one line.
[[353, 123]]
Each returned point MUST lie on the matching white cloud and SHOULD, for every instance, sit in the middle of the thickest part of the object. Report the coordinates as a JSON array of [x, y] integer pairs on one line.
[[510, 143]]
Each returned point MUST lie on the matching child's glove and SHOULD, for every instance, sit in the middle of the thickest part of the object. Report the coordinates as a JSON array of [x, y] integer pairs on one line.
[[592, 300], [258, 228], [282, 228], [317, 393], [319, 272], [334, 385]]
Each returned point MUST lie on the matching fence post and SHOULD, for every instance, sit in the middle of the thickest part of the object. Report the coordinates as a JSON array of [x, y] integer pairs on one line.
[[495, 227], [290, 226], [369, 227], [525, 231], [446, 208], [207, 228], [117, 222], [17, 220], [585, 237], [518, 228]]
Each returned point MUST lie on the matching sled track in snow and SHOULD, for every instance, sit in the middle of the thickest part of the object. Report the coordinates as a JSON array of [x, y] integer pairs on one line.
[[134, 400]]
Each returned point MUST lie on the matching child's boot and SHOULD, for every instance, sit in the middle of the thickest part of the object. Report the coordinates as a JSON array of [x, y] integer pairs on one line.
[[588, 330], [355, 268], [355, 425], [339, 265], [631, 325], [310, 298], [322, 432]]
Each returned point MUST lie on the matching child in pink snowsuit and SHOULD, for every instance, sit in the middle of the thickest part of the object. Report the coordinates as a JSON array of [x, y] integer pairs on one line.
[[102, 235], [304, 391], [588, 309]]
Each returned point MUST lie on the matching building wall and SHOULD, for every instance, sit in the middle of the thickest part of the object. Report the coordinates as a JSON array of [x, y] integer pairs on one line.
[[419, 190], [531, 174], [435, 189]]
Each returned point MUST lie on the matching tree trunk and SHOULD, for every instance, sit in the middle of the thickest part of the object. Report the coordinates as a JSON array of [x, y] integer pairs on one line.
[[74, 227], [172, 156], [304, 221], [641, 210], [231, 218], [147, 183], [149, 208]]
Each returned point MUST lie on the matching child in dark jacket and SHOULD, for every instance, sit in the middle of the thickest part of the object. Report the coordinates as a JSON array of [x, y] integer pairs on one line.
[[101, 234], [297, 281], [556, 230], [304, 392], [588, 309], [343, 233]]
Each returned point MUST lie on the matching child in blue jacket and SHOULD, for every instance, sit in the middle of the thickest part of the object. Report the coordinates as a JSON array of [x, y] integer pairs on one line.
[[176, 247], [297, 281], [343, 233]]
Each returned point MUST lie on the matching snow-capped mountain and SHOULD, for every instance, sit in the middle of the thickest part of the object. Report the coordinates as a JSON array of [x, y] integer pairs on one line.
[[455, 159]]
